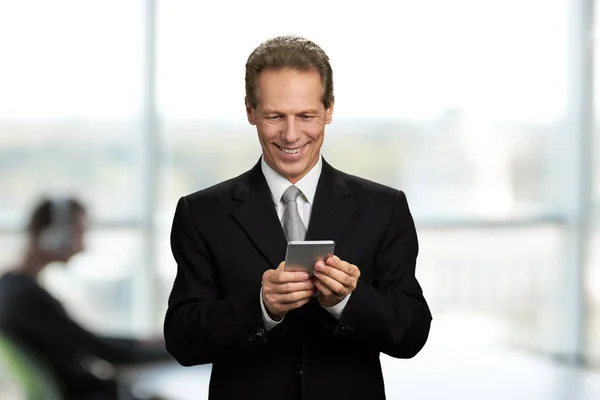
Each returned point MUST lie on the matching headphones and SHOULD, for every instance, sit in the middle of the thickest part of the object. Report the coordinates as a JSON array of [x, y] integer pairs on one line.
[[57, 238]]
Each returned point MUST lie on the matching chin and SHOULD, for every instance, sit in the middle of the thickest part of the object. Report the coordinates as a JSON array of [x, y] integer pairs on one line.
[[294, 173]]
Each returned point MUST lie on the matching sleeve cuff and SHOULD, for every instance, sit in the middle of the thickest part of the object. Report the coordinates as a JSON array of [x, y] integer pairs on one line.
[[269, 323], [337, 310]]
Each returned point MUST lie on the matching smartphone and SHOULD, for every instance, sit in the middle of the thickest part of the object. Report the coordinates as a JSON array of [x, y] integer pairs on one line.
[[302, 255]]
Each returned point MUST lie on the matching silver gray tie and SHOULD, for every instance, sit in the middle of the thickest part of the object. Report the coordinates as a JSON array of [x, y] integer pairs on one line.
[[292, 224]]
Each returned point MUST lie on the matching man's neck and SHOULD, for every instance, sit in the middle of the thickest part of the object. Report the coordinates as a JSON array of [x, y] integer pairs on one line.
[[32, 263]]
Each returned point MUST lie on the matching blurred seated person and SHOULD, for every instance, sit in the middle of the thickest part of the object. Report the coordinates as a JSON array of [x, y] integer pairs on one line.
[[31, 316]]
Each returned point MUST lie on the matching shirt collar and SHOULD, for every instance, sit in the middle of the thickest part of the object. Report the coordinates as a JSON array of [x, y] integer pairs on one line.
[[278, 184]]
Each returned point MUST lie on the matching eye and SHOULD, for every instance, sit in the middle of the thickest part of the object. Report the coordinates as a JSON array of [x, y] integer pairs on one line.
[[305, 117], [273, 117]]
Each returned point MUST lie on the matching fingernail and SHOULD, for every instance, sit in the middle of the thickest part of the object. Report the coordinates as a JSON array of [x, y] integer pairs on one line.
[[305, 276]]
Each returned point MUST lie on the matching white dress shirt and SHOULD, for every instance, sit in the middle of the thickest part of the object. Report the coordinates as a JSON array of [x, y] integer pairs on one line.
[[308, 185]]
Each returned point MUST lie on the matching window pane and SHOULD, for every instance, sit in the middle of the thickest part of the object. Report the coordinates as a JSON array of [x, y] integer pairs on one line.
[[452, 107], [592, 272], [167, 269], [99, 286], [421, 103], [592, 285], [487, 272], [12, 245], [596, 127], [70, 104]]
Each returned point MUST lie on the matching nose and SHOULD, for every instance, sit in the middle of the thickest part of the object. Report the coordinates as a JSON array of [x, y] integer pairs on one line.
[[291, 131]]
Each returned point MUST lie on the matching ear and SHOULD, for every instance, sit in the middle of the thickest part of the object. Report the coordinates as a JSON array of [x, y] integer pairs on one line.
[[329, 112], [250, 112]]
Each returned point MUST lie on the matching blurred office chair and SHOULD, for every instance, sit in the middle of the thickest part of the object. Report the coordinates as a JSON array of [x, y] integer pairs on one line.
[[31, 373]]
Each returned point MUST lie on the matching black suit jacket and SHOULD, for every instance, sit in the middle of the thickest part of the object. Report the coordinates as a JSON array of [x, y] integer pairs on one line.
[[225, 237]]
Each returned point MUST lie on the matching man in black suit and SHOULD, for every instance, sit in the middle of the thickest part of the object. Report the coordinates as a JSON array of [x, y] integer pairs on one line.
[[32, 318], [234, 305]]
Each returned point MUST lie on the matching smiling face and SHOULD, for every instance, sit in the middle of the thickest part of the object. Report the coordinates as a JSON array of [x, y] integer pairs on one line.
[[290, 119]]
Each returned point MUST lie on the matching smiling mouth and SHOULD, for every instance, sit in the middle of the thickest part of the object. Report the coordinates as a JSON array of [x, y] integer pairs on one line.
[[288, 150]]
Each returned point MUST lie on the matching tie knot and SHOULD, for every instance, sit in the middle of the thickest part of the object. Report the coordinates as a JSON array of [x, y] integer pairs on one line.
[[290, 194]]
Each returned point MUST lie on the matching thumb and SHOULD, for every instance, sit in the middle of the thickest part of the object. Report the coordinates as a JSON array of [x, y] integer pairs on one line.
[[281, 265]]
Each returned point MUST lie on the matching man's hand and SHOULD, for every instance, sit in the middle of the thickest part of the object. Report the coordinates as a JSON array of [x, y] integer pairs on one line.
[[335, 279], [284, 291]]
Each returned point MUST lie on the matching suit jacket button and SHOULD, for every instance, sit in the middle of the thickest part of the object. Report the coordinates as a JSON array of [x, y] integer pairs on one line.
[[299, 370], [260, 333]]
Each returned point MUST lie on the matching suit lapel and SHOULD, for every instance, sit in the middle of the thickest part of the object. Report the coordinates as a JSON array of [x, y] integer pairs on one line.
[[255, 213], [332, 206]]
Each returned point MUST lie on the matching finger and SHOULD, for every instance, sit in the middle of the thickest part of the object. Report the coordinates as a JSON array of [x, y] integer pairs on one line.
[[274, 304], [271, 275], [325, 291], [335, 262], [344, 266], [287, 276], [292, 287], [334, 273], [332, 261], [284, 308], [294, 297], [333, 285], [292, 306]]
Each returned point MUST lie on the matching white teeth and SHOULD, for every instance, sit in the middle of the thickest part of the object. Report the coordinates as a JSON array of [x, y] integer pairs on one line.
[[291, 151]]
